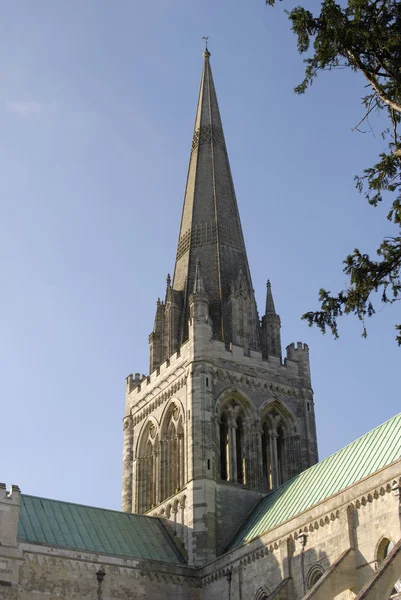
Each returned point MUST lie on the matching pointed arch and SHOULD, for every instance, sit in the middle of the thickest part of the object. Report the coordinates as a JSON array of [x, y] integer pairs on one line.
[[263, 593], [279, 443], [275, 405], [142, 433], [147, 461], [237, 421], [233, 393], [172, 449]]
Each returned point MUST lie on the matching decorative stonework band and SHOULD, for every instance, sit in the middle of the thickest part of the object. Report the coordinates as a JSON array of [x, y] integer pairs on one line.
[[206, 233], [207, 134]]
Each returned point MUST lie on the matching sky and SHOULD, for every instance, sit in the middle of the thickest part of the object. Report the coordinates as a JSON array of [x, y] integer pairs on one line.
[[97, 105]]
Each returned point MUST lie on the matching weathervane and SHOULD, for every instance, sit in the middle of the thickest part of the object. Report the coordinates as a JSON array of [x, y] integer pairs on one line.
[[206, 38]]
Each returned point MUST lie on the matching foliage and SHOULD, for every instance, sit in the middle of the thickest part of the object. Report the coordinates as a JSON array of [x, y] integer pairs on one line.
[[364, 36]]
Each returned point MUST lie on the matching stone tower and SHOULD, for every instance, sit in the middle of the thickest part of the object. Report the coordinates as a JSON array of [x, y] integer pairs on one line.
[[220, 420]]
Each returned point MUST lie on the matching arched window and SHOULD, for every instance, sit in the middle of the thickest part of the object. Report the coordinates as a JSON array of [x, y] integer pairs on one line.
[[314, 575], [277, 467], [224, 447], [147, 466], [263, 593], [383, 551], [239, 445], [172, 476]]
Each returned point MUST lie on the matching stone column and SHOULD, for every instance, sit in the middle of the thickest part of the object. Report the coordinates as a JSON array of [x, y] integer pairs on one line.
[[248, 455], [176, 465], [127, 491], [139, 484], [182, 518], [232, 452], [135, 486], [273, 453], [162, 492], [157, 472], [259, 459], [182, 460], [174, 510]]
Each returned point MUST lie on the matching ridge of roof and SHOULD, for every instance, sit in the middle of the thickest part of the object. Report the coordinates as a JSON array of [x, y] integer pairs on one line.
[[335, 473], [112, 510]]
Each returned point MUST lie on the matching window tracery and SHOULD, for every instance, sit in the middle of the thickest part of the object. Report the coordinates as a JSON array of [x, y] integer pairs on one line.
[[172, 453], [147, 468], [233, 430], [278, 444], [160, 464]]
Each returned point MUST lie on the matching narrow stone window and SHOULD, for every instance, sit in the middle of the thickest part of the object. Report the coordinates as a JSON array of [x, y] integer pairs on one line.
[[266, 458], [207, 381], [280, 455], [239, 443], [224, 447]]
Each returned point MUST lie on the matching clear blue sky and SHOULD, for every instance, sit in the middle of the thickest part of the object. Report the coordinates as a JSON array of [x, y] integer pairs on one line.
[[97, 103]]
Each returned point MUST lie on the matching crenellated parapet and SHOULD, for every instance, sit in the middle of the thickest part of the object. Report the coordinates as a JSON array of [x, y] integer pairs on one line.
[[9, 514], [300, 354]]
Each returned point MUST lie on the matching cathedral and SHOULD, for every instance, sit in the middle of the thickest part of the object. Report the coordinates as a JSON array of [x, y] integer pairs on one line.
[[223, 494]]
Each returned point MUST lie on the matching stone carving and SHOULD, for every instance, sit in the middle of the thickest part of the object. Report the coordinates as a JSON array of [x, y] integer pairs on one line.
[[206, 134]]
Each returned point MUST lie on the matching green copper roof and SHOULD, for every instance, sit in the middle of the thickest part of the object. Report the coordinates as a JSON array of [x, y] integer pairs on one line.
[[78, 527], [361, 458]]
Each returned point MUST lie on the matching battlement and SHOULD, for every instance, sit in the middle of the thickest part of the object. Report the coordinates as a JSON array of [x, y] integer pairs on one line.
[[138, 382], [298, 352], [11, 496]]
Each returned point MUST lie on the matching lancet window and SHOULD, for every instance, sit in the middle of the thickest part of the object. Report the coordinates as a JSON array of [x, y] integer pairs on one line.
[[224, 447], [278, 463], [172, 462], [147, 468]]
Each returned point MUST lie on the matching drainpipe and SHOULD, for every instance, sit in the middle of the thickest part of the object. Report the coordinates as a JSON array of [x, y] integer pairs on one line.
[[302, 538], [100, 576]]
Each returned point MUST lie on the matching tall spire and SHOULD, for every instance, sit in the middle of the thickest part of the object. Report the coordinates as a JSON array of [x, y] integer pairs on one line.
[[210, 224]]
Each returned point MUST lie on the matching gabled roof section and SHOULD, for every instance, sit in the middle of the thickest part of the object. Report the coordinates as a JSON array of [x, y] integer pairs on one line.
[[361, 458], [78, 527]]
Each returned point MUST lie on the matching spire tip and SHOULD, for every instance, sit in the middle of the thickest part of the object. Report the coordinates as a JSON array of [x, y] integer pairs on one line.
[[206, 53]]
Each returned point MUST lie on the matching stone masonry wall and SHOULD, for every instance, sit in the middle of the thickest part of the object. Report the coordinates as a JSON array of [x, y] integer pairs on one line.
[[355, 520]]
